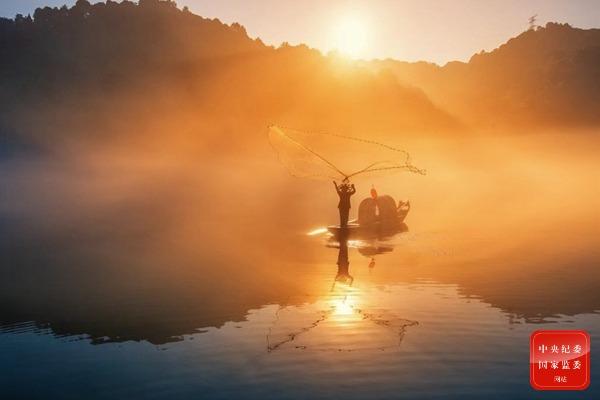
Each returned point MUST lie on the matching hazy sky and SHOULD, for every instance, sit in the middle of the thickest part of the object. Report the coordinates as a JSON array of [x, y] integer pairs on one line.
[[431, 30]]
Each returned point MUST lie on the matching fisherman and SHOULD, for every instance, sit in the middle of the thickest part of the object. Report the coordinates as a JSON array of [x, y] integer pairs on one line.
[[373, 192], [344, 190]]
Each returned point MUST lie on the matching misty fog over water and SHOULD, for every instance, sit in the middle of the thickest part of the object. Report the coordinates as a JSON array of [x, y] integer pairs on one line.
[[154, 245]]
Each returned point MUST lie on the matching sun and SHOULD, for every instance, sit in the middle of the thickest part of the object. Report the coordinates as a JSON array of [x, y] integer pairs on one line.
[[350, 37]]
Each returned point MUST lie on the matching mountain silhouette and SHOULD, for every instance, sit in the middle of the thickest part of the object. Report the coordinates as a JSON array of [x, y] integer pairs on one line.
[[112, 69], [65, 71], [545, 78]]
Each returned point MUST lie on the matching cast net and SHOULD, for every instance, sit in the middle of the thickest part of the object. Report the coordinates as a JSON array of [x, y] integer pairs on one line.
[[320, 155]]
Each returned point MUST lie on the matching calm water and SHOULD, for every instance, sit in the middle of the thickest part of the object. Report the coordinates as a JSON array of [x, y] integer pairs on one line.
[[113, 287]]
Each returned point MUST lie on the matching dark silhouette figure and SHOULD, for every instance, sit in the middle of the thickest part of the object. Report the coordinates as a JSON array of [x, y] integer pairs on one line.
[[344, 190], [343, 264]]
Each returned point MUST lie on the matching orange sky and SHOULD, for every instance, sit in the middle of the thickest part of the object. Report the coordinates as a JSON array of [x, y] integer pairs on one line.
[[412, 30]]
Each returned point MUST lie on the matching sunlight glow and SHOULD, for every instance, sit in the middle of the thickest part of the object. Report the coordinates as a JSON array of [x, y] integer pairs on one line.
[[350, 37], [343, 306], [344, 311], [317, 231]]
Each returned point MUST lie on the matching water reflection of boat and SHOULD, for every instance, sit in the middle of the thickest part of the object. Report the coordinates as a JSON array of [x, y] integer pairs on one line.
[[369, 242], [348, 318], [362, 232], [375, 249]]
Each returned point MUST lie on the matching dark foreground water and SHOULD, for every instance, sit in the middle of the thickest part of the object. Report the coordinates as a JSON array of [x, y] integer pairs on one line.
[[110, 289], [388, 335]]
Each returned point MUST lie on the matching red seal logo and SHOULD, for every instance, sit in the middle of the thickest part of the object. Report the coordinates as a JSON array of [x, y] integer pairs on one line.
[[559, 360]]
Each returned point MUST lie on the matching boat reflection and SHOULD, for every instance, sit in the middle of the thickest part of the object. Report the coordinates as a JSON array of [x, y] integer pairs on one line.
[[369, 243]]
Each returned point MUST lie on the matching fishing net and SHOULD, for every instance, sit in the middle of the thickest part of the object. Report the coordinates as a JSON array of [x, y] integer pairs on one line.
[[318, 327], [320, 155]]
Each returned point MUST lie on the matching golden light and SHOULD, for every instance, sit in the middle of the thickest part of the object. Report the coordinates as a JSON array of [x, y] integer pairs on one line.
[[317, 231], [343, 306], [350, 36]]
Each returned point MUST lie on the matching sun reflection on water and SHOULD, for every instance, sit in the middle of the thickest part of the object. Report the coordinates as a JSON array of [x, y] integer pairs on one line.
[[317, 231], [344, 303], [344, 311]]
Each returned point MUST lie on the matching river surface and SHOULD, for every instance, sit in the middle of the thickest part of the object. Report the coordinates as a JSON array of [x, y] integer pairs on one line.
[[138, 281]]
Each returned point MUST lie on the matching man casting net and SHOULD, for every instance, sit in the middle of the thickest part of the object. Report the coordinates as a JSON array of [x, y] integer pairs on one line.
[[319, 155]]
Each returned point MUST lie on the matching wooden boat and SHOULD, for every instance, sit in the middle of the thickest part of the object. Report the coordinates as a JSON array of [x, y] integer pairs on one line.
[[388, 222], [374, 230]]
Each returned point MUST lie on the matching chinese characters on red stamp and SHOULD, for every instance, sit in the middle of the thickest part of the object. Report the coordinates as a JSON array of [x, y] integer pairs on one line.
[[559, 360]]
